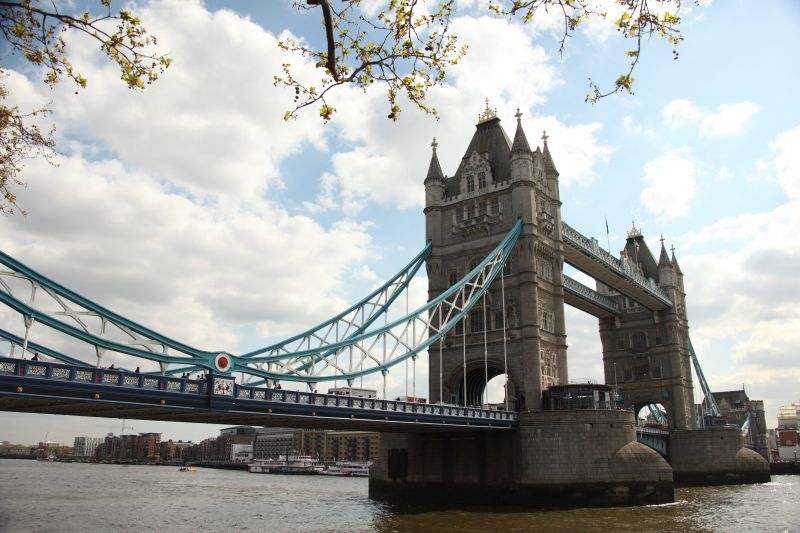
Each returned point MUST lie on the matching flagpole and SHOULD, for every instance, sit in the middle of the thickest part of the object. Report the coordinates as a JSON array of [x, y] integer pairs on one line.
[[608, 236]]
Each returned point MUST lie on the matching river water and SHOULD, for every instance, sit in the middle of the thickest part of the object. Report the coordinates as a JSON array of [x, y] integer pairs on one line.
[[63, 497]]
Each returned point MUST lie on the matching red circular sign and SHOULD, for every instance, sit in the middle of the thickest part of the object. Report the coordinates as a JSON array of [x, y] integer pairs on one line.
[[222, 362]]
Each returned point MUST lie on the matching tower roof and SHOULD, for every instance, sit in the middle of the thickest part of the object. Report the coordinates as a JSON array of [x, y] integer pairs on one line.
[[434, 169], [675, 262], [548, 159], [663, 259], [491, 142], [520, 141]]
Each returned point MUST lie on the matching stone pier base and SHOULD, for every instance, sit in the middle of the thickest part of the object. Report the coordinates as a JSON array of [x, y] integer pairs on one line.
[[555, 459], [714, 456]]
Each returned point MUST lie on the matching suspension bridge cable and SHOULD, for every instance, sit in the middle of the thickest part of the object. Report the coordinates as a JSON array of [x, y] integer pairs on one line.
[[464, 344], [505, 353], [485, 356]]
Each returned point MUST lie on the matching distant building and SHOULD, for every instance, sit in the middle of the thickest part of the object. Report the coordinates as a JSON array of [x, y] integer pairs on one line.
[[147, 447], [324, 445], [735, 406], [272, 442], [85, 446], [786, 434], [170, 451]]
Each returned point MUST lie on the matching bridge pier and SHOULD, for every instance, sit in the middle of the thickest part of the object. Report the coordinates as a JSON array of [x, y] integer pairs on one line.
[[714, 456], [555, 459]]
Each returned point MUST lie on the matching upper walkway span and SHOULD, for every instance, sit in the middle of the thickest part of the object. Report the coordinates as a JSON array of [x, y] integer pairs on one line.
[[586, 255]]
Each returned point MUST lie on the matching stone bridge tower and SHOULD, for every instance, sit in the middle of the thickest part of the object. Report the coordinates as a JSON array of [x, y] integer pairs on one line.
[[466, 215], [645, 352]]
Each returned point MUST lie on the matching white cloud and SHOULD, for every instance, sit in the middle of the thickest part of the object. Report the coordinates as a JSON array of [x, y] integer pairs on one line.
[[724, 173], [671, 184], [388, 161], [729, 120], [680, 113], [787, 161], [208, 124]]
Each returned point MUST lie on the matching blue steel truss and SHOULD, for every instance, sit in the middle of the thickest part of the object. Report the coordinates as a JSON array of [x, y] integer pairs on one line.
[[353, 336], [709, 403]]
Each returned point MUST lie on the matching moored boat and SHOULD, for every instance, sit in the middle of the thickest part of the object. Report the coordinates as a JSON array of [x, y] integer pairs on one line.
[[348, 468], [292, 464]]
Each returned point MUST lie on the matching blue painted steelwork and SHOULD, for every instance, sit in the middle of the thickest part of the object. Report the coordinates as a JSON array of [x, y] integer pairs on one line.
[[657, 439], [709, 403], [221, 394], [311, 357]]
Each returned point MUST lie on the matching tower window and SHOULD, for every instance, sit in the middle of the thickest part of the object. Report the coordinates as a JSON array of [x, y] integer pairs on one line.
[[470, 184], [452, 277], [481, 180]]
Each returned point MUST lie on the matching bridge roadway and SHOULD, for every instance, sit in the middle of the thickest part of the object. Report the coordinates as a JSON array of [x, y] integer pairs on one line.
[[55, 388]]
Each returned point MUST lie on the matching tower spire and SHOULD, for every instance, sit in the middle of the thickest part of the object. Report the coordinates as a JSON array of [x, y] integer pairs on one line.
[[434, 169], [520, 141], [548, 159]]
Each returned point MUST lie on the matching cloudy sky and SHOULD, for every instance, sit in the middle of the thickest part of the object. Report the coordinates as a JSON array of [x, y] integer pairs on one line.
[[194, 209]]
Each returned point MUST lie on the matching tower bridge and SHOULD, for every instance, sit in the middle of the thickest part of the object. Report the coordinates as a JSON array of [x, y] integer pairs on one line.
[[496, 247]]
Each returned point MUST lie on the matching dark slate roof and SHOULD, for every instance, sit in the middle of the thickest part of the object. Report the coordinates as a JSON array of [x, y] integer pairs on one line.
[[675, 263], [731, 397], [643, 256], [520, 141], [491, 139], [548, 160], [435, 169], [663, 260]]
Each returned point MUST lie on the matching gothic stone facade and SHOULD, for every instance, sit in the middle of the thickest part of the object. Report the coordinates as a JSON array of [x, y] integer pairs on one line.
[[466, 215]]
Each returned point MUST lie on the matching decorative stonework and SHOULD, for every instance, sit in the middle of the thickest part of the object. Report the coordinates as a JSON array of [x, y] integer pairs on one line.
[[131, 381], [243, 393], [259, 395], [173, 385], [112, 379], [194, 387], [150, 383], [7, 367]]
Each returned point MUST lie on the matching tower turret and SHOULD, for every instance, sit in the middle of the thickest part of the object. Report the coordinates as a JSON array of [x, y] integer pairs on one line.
[[434, 181], [666, 277]]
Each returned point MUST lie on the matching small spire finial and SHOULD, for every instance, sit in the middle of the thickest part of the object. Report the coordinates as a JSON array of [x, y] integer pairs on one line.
[[544, 136], [488, 113], [662, 239], [518, 115], [434, 144], [672, 249], [634, 231]]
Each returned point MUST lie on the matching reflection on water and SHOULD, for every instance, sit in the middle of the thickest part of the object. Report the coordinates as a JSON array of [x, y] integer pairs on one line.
[[37, 496]]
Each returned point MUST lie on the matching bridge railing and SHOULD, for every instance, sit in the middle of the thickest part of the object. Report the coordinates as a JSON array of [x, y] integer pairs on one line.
[[593, 249], [202, 387]]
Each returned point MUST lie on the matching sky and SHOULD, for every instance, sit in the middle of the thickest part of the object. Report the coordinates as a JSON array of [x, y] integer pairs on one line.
[[193, 208]]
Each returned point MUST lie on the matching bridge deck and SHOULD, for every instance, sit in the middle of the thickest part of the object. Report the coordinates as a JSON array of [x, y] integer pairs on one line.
[[43, 387], [586, 255]]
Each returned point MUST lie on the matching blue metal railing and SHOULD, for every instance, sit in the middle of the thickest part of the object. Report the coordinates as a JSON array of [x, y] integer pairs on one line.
[[104, 377]]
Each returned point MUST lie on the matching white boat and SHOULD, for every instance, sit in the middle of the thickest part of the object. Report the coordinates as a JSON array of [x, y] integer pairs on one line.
[[292, 464], [348, 468]]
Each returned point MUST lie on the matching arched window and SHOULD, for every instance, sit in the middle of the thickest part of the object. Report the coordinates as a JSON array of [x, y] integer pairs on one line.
[[481, 180], [470, 184], [639, 340]]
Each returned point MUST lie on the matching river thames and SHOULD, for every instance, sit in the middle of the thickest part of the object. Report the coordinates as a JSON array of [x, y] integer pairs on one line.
[[37, 496]]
